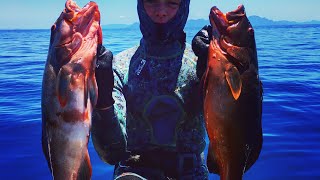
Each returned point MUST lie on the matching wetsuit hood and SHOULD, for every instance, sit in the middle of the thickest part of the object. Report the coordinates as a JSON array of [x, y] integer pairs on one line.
[[164, 33]]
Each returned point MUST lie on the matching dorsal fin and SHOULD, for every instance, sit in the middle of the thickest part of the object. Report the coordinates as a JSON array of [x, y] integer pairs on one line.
[[86, 90], [204, 83], [93, 90]]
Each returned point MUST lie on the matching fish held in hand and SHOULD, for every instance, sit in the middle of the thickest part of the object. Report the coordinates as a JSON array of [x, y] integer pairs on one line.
[[69, 91], [232, 94]]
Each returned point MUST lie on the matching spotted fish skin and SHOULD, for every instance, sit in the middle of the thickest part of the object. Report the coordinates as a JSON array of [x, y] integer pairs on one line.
[[69, 91], [232, 94]]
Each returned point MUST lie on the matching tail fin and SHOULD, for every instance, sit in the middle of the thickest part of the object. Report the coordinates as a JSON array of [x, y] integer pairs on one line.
[[85, 170]]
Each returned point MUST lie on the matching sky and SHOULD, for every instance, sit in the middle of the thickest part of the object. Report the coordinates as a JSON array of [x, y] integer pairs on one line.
[[41, 14]]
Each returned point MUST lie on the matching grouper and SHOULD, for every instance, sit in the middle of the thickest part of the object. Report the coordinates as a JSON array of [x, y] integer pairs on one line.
[[232, 93], [69, 91]]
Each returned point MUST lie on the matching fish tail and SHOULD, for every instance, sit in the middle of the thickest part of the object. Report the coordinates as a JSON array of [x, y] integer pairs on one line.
[[211, 161], [85, 170]]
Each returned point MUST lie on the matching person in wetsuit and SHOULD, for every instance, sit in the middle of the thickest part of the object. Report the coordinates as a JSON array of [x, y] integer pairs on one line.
[[148, 120]]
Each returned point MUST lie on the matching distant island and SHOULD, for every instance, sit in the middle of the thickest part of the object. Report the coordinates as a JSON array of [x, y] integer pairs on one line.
[[256, 21]]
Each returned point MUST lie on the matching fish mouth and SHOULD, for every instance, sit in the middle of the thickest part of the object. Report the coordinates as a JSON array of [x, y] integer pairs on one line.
[[77, 23], [233, 36], [234, 17], [224, 24], [82, 18], [76, 28]]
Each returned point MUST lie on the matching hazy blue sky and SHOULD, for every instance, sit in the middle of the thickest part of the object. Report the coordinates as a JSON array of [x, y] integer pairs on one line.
[[43, 13]]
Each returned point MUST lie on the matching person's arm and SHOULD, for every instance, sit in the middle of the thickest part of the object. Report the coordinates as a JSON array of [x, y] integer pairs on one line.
[[108, 121], [200, 44]]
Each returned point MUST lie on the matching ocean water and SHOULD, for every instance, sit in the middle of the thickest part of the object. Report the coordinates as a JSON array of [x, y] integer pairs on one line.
[[289, 60]]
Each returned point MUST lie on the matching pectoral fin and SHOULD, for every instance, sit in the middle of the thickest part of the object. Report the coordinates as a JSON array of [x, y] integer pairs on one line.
[[234, 81], [63, 83]]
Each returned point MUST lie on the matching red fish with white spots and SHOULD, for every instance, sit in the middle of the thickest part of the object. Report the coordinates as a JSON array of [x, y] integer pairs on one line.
[[232, 95], [69, 91]]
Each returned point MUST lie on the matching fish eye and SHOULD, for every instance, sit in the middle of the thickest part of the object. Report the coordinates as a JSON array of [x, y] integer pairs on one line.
[[251, 31], [53, 27]]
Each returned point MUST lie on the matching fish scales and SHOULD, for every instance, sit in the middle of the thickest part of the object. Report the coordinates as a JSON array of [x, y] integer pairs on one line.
[[69, 91], [232, 95]]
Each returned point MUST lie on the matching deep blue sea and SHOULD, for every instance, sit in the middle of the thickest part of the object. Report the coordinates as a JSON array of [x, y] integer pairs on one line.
[[289, 60]]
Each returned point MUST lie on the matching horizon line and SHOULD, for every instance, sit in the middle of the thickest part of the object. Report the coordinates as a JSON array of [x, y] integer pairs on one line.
[[128, 24]]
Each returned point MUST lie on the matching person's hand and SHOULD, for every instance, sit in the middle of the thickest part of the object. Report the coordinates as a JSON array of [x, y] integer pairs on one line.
[[200, 44], [104, 77]]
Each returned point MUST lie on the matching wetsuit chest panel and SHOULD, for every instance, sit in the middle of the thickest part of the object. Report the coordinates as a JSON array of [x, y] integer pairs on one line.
[[163, 113], [160, 98], [151, 98], [150, 78]]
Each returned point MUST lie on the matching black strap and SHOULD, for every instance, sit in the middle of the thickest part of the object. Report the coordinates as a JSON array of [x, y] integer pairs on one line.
[[172, 164]]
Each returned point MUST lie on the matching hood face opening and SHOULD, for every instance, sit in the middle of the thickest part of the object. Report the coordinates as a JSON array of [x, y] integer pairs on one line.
[[164, 32]]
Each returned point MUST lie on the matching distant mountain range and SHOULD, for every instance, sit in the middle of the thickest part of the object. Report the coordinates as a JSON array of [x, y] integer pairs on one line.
[[256, 21], [260, 21]]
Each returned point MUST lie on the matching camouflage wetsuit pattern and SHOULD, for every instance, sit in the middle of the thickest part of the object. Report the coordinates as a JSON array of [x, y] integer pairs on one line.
[[157, 103], [155, 127]]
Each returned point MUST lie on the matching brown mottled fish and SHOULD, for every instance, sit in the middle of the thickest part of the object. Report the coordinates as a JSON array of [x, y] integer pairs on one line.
[[232, 95], [69, 91]]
